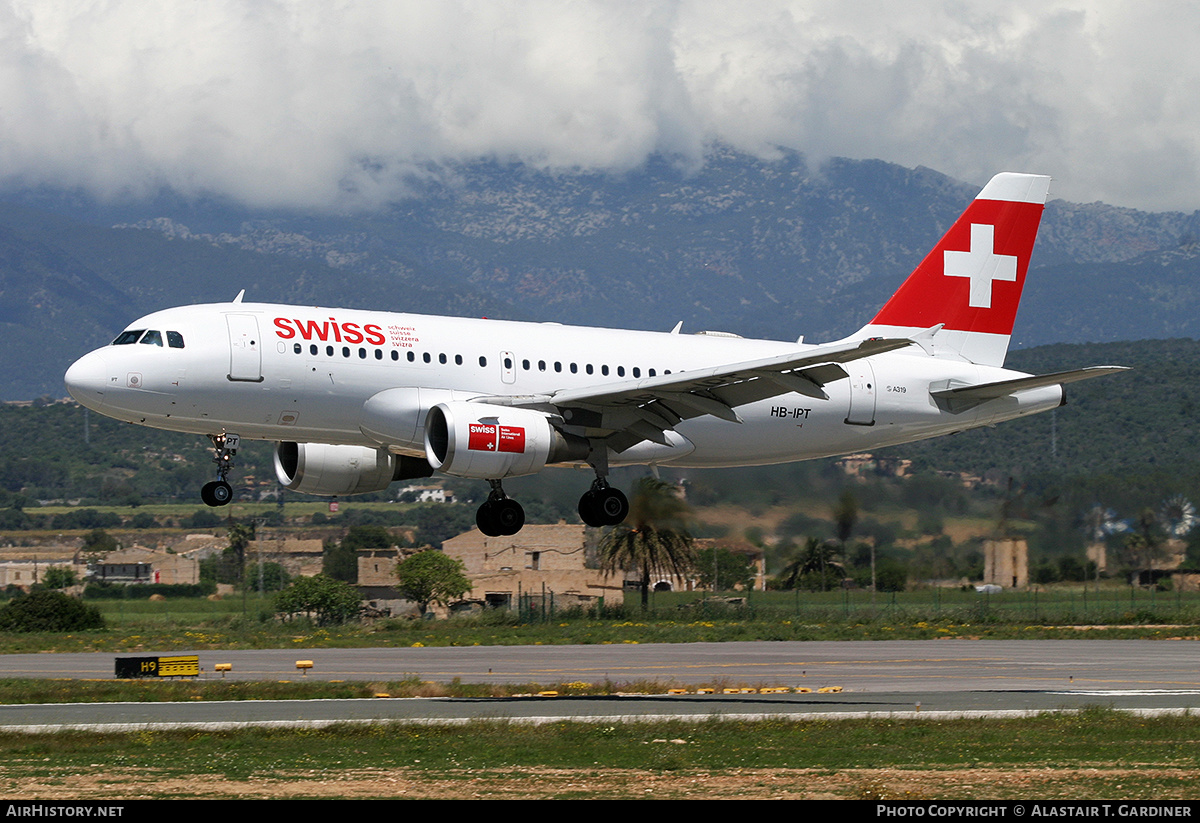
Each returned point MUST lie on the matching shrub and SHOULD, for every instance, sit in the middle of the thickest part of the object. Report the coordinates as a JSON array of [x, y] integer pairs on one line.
[[48, 611]]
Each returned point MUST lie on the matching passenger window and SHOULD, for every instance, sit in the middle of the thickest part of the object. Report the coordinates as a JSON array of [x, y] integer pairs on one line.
[[152, 338], [175, 340], [127, 337]]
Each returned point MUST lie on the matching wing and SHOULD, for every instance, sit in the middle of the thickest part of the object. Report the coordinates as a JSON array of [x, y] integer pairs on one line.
[[629, 411]]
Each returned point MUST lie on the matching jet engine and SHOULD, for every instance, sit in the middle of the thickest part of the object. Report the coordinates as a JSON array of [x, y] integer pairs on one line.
[[319, 468], [489, 442]]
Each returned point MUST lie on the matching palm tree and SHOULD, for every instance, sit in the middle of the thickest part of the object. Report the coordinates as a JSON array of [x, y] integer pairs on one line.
[[654, 539], [814, 558]]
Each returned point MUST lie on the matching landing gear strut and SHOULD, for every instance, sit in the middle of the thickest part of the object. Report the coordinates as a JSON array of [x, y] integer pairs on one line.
[[219, 492], [602, 505], [500, 514]]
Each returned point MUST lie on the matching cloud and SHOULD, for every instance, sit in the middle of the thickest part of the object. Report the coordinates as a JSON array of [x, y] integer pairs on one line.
[[328, 105]]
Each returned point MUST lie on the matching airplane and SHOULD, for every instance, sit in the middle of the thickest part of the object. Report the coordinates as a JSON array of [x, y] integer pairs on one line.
[[357, 399]]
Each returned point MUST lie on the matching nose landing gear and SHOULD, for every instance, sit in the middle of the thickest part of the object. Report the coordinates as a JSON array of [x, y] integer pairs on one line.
[[219, 492]]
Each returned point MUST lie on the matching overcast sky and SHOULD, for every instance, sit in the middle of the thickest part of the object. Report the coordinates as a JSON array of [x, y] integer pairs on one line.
[[335, 105]]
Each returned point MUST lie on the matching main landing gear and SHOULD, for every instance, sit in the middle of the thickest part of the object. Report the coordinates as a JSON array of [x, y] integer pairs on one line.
[[219, 492], [602, 505], [500, 515]]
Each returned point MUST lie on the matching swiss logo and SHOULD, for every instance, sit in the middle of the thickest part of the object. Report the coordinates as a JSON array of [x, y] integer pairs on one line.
[[492, 438]]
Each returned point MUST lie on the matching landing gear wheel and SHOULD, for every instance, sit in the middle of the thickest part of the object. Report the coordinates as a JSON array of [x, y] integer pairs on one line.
[[216, 493], [604, 506], [500, 516]]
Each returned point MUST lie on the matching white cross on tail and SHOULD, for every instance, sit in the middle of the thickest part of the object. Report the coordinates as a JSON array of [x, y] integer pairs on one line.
[[981, 264]]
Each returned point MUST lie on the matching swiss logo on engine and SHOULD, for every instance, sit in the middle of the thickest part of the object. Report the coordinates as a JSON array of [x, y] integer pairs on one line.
[[489, 438]]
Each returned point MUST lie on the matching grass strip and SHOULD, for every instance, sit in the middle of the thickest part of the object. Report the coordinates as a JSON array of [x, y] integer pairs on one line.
[[1095, 754]]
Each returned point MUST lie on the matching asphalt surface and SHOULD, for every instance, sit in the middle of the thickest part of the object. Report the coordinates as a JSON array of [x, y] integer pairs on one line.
[[898, 678]]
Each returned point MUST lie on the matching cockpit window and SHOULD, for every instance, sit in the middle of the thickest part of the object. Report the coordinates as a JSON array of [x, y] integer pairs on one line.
[[127, 337], [152, 338], [175, 340]]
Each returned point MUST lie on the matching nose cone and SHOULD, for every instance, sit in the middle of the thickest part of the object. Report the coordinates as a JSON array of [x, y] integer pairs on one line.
[[87, 379]]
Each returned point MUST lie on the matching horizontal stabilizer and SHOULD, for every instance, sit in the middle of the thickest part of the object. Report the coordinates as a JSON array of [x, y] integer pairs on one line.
[[964, 397]]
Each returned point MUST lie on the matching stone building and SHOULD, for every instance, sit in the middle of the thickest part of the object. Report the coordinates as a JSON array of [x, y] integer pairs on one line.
[[539, 562]]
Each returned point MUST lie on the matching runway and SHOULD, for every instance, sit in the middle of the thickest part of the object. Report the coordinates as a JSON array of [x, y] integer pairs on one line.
[[972, 678]]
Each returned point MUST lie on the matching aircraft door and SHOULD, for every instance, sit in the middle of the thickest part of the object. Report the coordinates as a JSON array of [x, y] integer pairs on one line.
[[245, 348], [508, 367], [862, 393]]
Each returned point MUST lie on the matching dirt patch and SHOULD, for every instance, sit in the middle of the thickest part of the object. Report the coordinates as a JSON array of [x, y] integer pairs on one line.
[[538, 783]]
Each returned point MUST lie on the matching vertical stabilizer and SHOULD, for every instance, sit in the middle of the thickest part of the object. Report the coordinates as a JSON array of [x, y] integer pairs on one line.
[[972, 280]]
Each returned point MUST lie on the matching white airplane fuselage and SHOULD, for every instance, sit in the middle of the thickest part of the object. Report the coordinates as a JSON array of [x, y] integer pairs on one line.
[[358, 399], [284, 373]]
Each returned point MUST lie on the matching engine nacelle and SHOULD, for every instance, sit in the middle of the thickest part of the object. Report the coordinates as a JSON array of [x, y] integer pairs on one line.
[[322, 469], [490, 442]]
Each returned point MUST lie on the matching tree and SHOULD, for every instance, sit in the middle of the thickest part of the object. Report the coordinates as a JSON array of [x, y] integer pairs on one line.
[[654, 539], [59, 577], [809, 569], [272, 576], [432, 577], [98, 543], [720, 569], [845, 514], [49, 611], [327, 600], [1147, 545]]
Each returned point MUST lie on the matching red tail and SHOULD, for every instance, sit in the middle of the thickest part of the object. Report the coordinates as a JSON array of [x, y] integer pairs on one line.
[[972, 280]]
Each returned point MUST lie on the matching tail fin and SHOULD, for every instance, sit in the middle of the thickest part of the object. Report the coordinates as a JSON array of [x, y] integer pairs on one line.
[[971, 282]]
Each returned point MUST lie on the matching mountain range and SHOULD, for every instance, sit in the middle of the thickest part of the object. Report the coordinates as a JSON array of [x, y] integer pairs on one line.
[[775, 249]]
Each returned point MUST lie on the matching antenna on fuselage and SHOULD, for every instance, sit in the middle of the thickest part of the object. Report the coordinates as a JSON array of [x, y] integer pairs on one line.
[[241, 294]]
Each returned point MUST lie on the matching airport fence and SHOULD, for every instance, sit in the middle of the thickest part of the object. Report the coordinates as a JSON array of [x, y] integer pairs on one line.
[[1128, 605]]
